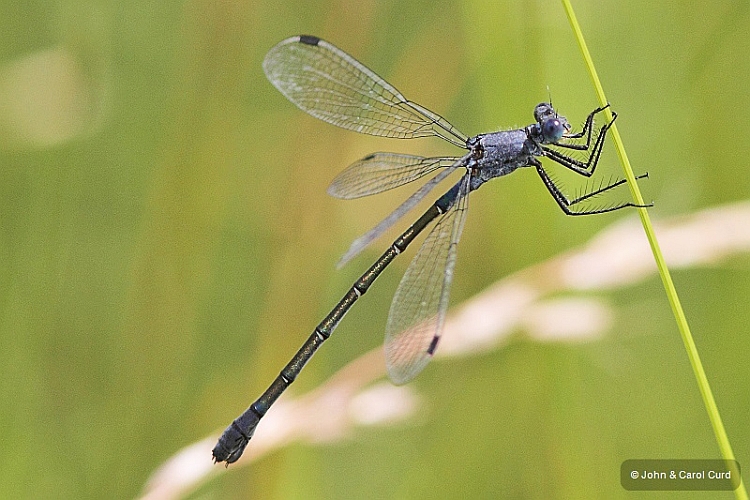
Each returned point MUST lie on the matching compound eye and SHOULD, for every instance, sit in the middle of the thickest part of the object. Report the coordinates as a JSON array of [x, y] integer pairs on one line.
[[552, 130]]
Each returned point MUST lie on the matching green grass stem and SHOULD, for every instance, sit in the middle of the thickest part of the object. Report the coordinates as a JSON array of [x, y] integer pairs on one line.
[[674, 300]]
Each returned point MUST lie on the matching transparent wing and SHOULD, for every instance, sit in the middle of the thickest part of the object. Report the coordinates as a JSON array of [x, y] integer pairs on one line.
[[363, 241], [331, 85], [417, 314], [380, 172]]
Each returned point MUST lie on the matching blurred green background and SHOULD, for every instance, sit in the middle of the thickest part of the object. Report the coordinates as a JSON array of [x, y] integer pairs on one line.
[[166, 243]]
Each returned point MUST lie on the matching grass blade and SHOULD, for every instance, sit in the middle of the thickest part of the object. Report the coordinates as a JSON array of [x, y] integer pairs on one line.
[[666, 278]]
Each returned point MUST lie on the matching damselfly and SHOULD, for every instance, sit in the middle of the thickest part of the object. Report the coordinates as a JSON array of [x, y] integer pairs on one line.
[[331, 85]]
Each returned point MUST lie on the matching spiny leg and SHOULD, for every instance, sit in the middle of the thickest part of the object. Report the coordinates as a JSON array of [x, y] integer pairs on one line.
[[588, 167], [565, 204], [586, 130]]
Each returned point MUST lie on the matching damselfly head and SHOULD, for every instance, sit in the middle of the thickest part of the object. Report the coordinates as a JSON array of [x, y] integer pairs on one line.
[[553, 126]]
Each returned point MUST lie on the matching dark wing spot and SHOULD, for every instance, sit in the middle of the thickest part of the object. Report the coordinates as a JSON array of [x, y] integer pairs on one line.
[[433, 345], [309, 39]]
